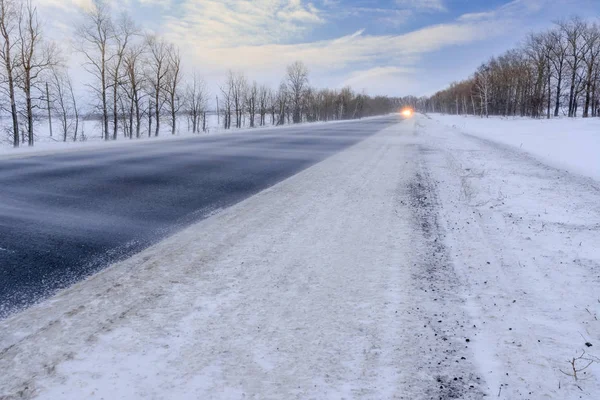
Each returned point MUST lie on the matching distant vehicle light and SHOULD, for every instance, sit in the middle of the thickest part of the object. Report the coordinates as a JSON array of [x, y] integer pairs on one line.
[[407, 112]]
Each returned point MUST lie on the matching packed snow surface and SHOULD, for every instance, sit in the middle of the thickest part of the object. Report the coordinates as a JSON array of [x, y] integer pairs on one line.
[[421, 263]]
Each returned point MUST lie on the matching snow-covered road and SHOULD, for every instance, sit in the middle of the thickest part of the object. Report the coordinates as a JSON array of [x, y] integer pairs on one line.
[[419, 264]]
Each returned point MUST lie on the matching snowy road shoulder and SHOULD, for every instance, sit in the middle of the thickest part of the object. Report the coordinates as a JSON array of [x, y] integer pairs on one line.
[[524, 240]]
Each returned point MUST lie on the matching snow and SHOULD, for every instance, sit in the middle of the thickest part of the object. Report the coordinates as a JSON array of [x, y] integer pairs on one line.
[[523, 236], [566, 143], [45, 144], [420, 263]]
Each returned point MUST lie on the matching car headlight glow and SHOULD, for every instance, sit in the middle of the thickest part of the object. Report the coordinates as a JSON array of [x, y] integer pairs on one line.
[[407, 112]]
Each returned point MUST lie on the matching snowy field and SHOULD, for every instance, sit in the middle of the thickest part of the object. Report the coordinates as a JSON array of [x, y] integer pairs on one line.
[[424, 262], [45, 144], [566, 143]]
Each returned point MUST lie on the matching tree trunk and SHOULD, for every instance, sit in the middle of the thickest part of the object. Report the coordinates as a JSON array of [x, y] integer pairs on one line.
[[157, 110], [588, 89], [572, 93], [104, 101], [131, 109], [76, 123], [29, 111], [49, 110], [174, 122], [115, 110], [64, 123], [558, 93], [549, 90], [138, 117], [173, 114], [8, 64], [150, 106]]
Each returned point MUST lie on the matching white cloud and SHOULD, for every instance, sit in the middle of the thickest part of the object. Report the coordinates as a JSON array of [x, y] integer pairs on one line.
[[512, 9], [161, 3], [73, 6], [384, 81], [423, 5], [376, 76], [65, 5], [343, 51], [386, 16], [359, 58], [218, 23]]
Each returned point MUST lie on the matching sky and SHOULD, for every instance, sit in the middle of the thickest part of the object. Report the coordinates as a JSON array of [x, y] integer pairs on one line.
[[389, 47]]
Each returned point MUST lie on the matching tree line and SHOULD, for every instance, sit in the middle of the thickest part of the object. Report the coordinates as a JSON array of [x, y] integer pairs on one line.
[[552, 73], [137, 84]]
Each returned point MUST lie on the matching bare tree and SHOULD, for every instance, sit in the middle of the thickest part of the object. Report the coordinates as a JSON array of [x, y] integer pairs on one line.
[[35, 57], [9, 15], [233, 95], [172, 83], [64, 103], [238, 94], [282, 103], [96, 34], [263, 103], [537, 51], [591, 37], [124, 31], [158, 70], [133, 62], [559, 48], [251, 103], [573, 31], [196, 97], [226, 99], [483, 85], [297, 79], [273, 105]]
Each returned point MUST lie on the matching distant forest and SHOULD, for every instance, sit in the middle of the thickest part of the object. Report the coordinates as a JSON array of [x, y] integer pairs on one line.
[[553, 73]]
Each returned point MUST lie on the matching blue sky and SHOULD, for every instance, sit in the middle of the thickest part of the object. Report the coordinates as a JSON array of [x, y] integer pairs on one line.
[[394, 47]]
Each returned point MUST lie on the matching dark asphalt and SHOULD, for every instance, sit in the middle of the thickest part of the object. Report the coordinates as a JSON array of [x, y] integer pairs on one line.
[[66, 216]]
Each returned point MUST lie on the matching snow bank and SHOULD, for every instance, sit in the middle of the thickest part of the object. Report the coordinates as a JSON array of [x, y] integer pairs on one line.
[[571, 144]]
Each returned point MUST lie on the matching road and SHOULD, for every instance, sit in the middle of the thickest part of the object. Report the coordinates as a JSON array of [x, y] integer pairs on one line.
[[64, 216], [420, 263]]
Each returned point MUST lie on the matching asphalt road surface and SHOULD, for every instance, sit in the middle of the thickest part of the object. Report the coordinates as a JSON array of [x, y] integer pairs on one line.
[[64, 216]]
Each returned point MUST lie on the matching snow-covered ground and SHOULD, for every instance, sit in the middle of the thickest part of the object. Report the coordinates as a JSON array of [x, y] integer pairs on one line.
[[45, 144], [523, 237], [567, 143], [420, 263]]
